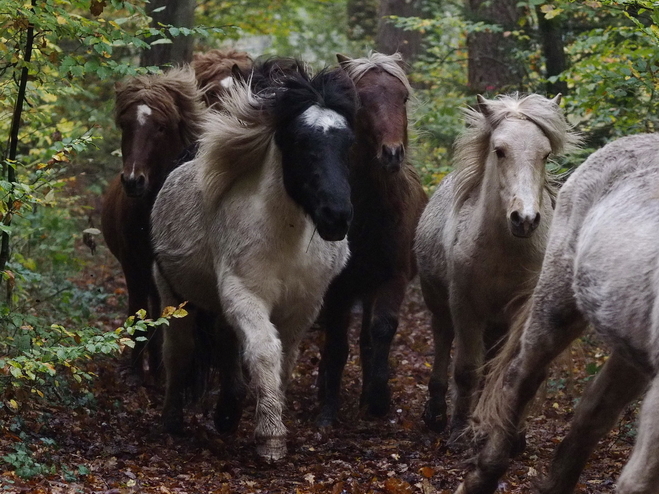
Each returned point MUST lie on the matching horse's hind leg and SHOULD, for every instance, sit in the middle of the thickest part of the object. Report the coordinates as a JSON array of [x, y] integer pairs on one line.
[[554, 322], [384, 325], [614, 387], [435, 413], [366, 345], [229, 407], [334, 354], [641, 474]]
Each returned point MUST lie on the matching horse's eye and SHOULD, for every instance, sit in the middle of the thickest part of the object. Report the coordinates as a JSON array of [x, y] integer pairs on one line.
[[546, 157], [406, 99], [500, 153], [161, 128]]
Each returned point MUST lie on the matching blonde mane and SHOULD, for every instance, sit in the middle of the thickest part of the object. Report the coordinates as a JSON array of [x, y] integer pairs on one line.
[[174, 94], [234, 141], [473, 145], [391, 64]]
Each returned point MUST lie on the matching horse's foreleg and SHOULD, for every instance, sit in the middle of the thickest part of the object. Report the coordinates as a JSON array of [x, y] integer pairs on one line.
[[138, 283], [384, 325], [435, 413], [229, 407], [334, 355], [366, 345], [291, 331], [614, 387], [641, 474], [468, 360], [262, 353]]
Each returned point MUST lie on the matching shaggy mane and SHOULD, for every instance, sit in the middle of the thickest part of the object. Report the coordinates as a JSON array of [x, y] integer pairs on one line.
[[391, 64], [242, 137], [174, 94], [472, 147], [213, 66]]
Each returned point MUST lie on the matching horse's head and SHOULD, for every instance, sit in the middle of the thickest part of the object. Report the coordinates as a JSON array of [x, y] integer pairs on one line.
[[158, 116], [314, 134], [383, 92], [217, 70], [518, 153]]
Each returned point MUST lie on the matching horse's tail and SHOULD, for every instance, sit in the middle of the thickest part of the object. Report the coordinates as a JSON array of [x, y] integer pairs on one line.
[[493, 406]]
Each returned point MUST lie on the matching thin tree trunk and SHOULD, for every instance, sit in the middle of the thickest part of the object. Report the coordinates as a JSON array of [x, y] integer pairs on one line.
[[391, 39], [177, 13], [13, 141], [362, 19], [492, 68], [553, 49]]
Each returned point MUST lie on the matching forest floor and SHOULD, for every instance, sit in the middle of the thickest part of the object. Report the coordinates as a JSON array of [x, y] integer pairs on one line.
[[117, 439]]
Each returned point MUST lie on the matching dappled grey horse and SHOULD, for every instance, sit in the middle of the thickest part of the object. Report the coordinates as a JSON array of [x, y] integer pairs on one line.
[[481, 239], [601, 268]]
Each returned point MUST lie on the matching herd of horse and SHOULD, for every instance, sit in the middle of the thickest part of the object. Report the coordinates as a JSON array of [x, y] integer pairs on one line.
[[270, 198]]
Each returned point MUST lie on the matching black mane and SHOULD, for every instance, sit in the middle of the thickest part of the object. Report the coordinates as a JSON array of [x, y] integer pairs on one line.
[[290, 90]]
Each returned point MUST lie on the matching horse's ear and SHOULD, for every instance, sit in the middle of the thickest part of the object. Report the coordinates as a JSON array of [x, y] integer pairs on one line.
[[343, 59], [557, 99], [237, 74], [483, 105]]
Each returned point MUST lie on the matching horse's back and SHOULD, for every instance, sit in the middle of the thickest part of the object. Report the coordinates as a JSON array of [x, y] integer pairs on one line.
[[607, 223]]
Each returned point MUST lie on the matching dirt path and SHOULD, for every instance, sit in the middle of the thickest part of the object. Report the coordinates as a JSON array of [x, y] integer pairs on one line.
[[118, 439]]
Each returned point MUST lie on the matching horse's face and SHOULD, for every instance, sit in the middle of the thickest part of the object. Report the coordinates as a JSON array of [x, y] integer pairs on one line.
[[315, 148], [382, 117], [519, 151], [150, 142]]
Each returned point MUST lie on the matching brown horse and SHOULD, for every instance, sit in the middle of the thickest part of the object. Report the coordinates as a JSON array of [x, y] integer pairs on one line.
[[159, 116], [388, 199], [214, 72]]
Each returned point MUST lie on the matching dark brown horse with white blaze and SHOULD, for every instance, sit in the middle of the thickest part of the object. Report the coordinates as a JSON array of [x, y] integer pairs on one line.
[[215, 71], [388, 199], [159, 116]]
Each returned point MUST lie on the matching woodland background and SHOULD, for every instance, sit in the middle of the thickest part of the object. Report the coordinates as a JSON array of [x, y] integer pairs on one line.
[[61, 298]]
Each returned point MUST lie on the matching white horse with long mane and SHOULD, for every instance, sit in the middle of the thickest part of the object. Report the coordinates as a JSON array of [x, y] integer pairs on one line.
[[601, 269], [481, 239], [253, 230]]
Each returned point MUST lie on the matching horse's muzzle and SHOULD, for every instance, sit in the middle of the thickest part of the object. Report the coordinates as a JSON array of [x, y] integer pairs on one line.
[[392, 157], [333, 224], [134, 187], [523, 226]]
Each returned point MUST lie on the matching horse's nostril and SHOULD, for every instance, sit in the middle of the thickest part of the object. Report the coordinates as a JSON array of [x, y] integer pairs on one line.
[[515, 218], [141, 180], [536, 220]]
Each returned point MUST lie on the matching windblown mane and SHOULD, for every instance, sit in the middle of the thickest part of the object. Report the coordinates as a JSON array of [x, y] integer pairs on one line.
[[472, 147], [213, 66], [174, 94], [242, 137], [358, 67]]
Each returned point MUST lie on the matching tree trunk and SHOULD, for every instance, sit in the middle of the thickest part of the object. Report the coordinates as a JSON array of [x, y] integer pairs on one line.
[[492, 68], [553, 49], [178, 13], [362, 19], [391, 39]]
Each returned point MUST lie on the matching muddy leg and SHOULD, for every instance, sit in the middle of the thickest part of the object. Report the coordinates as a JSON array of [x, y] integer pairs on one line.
[[334, 354], [384, 325], [435, 413], [641, 474], [229, 407], [615, 386]]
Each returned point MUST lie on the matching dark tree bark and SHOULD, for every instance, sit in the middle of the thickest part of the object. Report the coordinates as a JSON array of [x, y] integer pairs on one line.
[[391, 39], [553, 49], [178, 13], [362, 19], [492, 67]]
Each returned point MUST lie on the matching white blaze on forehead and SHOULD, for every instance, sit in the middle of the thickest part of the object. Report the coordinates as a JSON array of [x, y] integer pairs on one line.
[[227, 82], [143, 112], [323, 118]]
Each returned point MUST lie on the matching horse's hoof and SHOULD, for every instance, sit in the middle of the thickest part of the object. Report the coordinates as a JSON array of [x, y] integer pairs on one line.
[[377, 400], [271, 449], [326, 420], [461, 489], [435, 420]]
